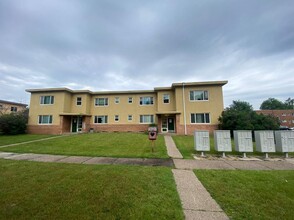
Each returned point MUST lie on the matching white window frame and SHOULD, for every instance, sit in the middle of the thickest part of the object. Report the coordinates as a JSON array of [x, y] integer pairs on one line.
[[43, 97], [205, 95], [79, 102], [47, 118], [116, 100], [144, 117], [116, 118], [97, 103], [143, 100], [130, 100], [130, 117], [164, 98], [104, 119], [194, 115]]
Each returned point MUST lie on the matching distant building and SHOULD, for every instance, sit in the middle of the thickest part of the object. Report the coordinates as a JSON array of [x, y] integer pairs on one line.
[[7, 107], [286, 117], [181, 108]]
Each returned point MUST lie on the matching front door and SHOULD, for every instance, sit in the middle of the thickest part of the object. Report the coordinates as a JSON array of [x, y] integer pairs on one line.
[[76, 124], [171, 124]]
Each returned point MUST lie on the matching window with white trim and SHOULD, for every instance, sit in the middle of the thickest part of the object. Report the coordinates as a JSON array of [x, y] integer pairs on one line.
[[198, 95], [130, 100], [101, 101], [116, 100], [166, 98], [45, 119], [13, 109], [146, 119], [101, 119], [116, 118], [202, 118], [79, 100], [47, 100], [130, 117], [146, 100]]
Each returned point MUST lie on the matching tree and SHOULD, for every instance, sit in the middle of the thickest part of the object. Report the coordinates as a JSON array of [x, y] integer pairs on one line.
[[241, 116], [14, 123], [289, 103], [271, 104]]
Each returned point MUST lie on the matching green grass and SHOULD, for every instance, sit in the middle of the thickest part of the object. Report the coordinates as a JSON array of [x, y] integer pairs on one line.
[[32, 190], [185, 144], [13, 139], [251, 194], [97, 144]]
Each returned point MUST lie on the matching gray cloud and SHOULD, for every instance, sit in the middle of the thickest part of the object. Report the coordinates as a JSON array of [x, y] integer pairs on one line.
[[122, 45]]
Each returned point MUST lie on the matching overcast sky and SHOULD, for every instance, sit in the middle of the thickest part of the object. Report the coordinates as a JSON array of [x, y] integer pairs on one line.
[[126, 45]]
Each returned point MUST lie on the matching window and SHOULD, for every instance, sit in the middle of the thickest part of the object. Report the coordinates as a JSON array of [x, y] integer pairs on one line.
[[147, 100], [116, 118], [79, 100], [166, 98], [100, 119], [146, 119], [283, 114], [284, 121], [130, 117], [45, 119], [101, 101], [130, 100], [198, 95], [200, 118], [116, 100], [13, 109], [47, 100]]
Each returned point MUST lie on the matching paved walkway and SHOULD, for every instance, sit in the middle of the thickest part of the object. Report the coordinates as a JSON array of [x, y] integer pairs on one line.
[[172, 149]]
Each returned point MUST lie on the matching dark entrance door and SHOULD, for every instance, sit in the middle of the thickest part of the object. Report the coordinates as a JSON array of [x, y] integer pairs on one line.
[[74, 124], [171, 124]]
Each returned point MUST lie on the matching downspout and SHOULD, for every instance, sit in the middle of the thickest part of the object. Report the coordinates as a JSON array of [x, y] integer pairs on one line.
[[184, 105]]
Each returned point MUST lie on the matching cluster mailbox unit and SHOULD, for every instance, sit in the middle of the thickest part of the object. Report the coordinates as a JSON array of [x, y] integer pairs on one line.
[[284, 141], [201, 141], [243, 142], [222, 141], [265, 142]]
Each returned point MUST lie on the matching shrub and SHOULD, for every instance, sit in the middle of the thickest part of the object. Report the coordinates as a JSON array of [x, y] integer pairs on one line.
[[14, 123]]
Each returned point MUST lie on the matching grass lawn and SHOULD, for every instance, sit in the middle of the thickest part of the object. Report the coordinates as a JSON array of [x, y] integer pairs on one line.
[[32, 190], [13, 139], [97, 144], [251, 194], [185, 144]]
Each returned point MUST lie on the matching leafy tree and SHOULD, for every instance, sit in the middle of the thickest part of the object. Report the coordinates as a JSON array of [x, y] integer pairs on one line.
[[14, 123], [271, 104], [289, 103], [241, 116]]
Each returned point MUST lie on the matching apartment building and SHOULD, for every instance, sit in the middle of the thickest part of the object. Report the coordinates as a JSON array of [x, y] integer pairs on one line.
[[285, 116], [181, 108], [7, 107]]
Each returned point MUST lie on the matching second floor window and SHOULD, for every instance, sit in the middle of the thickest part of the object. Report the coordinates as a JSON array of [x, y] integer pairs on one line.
[[79, 100], [130, 100], [47, 100], [166, 98], [13, 109], [198, 95], [147, 100], [116, 100], [101, 101]]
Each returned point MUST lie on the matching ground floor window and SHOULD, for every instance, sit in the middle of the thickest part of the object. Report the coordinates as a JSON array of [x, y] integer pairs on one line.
[[101, 119], [130, 117], [146, 119], [116, 118], [45, 119], [200, 118]]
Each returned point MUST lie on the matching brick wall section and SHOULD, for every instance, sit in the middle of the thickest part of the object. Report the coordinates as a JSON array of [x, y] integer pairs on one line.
[[44, 129], [286, 117], [119, 127], [192, 128]]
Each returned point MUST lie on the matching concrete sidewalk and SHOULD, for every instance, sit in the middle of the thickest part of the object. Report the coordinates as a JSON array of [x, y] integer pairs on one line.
[[172, 149], [87, 160]]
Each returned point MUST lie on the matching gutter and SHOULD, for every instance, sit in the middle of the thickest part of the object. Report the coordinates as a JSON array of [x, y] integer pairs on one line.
[[184, 105]]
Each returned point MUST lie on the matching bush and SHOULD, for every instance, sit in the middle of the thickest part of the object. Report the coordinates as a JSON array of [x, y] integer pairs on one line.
[[14, 123]]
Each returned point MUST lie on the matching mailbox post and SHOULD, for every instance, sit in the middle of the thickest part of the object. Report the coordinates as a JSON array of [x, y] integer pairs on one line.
[[152, 135]]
